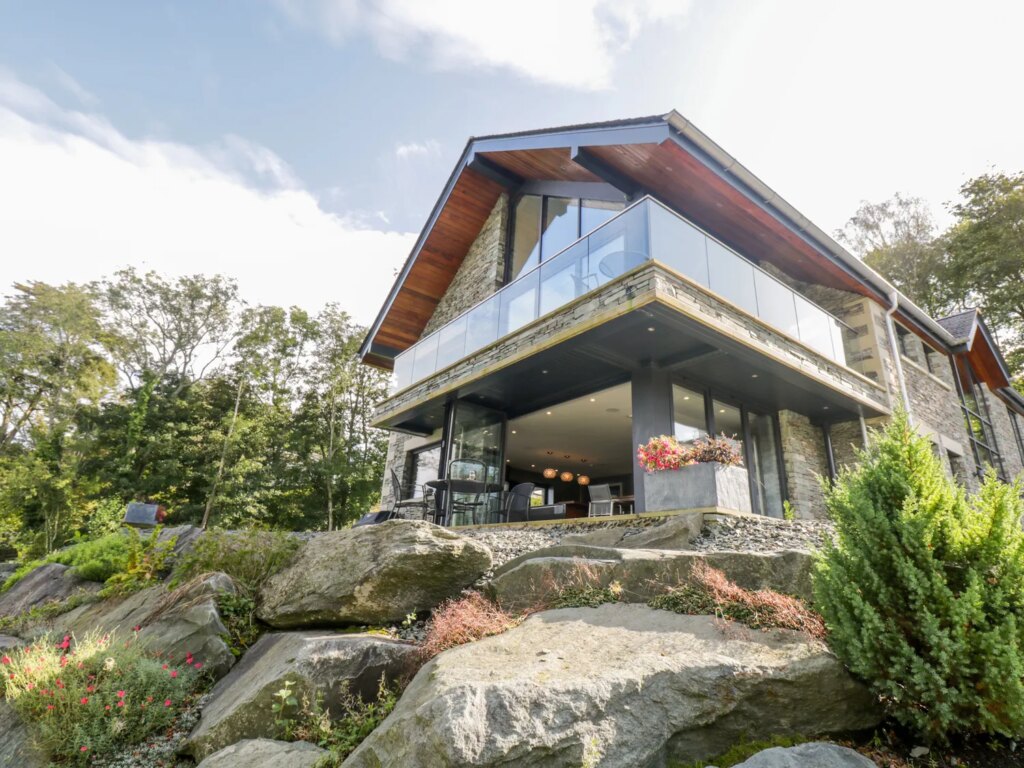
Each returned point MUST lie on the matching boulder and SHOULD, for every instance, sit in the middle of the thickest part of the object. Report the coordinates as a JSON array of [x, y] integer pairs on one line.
[[185, 538], [17, 746], [618, 686], [815, 754], [533, 578], [10, 642], [47, 583], [266, 753], [673, 532], [175, 623], [318, 663], [373, 574]]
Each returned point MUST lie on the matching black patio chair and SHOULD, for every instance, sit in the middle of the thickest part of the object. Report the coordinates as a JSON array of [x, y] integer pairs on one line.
[[414, 507], [515, 506]]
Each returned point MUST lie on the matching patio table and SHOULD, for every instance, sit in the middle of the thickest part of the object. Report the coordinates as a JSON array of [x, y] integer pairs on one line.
[[445, 490]]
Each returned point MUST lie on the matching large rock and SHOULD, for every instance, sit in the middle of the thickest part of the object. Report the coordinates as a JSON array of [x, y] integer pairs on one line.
[[815, 754], [672, 532], [534, 578], [46, 584], [266, 753], [619, 686], [374, 574], [318, 663], [17, 745], [175, 623]]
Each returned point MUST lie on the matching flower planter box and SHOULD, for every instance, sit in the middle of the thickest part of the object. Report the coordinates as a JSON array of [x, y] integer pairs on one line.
[[698, 486]]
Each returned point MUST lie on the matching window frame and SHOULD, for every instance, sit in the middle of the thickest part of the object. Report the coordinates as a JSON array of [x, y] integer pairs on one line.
[[1017, 436], [986, 444]]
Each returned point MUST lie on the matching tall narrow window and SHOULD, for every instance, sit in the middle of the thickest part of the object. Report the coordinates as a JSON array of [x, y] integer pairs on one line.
[[976, 418], [691, 420], [1015, 421], [525, 236]]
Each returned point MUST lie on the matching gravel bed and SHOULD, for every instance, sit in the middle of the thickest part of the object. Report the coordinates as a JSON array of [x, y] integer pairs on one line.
[[762, 534]]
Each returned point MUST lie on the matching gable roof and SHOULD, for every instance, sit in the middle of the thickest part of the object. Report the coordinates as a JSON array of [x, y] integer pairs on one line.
[[665, 155], [961, 325]]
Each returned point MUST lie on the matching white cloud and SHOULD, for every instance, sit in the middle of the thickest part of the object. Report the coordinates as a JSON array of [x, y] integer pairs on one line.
[[428, 148], [569, 43], [79, 199]]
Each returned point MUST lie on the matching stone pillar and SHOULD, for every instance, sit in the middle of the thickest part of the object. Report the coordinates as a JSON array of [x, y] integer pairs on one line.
[[803, 454], [652, 416]]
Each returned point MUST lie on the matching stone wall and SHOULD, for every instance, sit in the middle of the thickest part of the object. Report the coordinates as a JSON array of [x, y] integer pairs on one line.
[[847, 439], [482, 270], [803, 455]]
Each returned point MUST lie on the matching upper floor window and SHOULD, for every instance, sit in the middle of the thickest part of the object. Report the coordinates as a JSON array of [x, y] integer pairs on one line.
[[980, 433], [543, 225], [1015, 421]]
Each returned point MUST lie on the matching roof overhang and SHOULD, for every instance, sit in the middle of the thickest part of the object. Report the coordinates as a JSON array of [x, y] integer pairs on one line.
[[663, 155]]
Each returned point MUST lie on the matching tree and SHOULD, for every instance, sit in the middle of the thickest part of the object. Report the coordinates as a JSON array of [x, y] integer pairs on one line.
[[986, 247], [897, 237], [51, 356], [923, 589]]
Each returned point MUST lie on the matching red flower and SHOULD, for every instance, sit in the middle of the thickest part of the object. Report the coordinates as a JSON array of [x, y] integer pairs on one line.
[[137, 628], [85, 700], [107, 707], [198, 665], [6, 659], [120, 703], [167, 703], [49, 706], [83, 749], [65, 644], [120, 694], [174, 673]]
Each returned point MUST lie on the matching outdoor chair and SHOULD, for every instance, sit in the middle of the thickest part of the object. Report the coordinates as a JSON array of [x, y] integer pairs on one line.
[[601, 502], [515, 505], [414, 507], [467, 485]]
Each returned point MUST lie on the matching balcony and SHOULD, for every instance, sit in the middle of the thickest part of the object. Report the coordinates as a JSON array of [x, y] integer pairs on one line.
[[646, 231]]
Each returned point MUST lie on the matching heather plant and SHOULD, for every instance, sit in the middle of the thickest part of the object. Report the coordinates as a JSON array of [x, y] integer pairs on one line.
[[923, 589], [709, 592], [464, 620], [94, 696]]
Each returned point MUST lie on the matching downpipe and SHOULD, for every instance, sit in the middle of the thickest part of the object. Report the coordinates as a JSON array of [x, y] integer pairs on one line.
[[894, 347]]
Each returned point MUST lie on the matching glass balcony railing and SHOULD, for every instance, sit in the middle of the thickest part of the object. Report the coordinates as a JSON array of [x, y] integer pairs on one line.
[[646, 231]]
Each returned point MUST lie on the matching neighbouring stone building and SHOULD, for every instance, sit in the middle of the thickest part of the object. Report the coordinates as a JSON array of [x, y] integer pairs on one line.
[[580, 290]]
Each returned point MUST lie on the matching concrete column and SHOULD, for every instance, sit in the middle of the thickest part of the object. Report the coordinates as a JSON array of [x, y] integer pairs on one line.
[[652, 416]]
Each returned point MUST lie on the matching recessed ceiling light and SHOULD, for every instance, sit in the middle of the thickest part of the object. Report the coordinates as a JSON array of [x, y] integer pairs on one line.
[[686, 397], [593, 399], [650, 329], [544, 371], [507, 460], [824, 407], [533, 465], [753, 375], [721, 410], [513, 431], [549, 413]]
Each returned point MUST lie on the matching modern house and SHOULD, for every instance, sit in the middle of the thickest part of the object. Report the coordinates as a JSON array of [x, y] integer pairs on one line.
[[578, 290]]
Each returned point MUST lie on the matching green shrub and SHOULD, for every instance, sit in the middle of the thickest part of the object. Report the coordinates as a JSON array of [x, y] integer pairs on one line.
[[238, 612], [95, 696], [744, 750], [248, 557], [586, 596], [923, 589], [92, 560], [145, 564]]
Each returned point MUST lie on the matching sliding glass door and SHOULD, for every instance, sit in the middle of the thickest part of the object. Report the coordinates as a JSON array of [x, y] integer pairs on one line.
[[476, 456]]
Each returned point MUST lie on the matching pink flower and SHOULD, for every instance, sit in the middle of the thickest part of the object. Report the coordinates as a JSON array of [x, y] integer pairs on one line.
[[167, 703], [120, 703], [6, 659], [120, 694], [107, 707], [137, 628], [83, 748], [49, 706], [85, 700], [65, 644], [174, 673], [198, 665], [164, 666]]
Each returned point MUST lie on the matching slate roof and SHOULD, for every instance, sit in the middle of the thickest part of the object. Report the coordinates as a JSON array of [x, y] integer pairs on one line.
[[961, 324]]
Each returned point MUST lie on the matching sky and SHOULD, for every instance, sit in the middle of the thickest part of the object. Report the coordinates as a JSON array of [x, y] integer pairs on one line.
[[299, 145]]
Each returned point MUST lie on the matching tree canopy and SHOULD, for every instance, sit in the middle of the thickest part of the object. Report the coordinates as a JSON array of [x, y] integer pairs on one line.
[[143, 387]]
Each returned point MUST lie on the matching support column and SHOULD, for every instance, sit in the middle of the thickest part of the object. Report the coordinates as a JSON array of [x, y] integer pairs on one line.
[[652, 416]]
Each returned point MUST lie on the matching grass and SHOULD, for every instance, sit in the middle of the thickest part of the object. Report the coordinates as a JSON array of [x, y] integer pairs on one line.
[[17, 624], [92, 560]]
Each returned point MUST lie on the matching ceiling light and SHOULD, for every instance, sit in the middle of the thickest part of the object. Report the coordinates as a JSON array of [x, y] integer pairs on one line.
[[651, 329], [721, 410], [513, 431], [824, 407], [753, 375], [545, 370], [566, 477], [533, 466], [549, 413], [593, 399], [583, 480], [550, 473], [686, 397]]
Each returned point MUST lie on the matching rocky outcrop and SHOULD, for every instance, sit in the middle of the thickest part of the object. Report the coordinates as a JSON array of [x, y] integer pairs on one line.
[[619, 686], [266, 753], [175, 623], [674, 532], [532, 579], [812, 755], [47, 583], [17, 746], [317, 663], [373, 574]]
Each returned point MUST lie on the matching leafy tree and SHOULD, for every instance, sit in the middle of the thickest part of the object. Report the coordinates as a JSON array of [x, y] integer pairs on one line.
[[897, 237], [923, 589], [986, 245]]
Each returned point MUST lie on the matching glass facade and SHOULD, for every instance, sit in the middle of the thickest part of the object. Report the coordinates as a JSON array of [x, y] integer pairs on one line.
[[691, 421], [644, 232], [980, 433]]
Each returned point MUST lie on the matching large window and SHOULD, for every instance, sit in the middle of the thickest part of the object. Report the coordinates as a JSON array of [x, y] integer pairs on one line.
[[976, 418], [1015, 421], [544, 225]]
